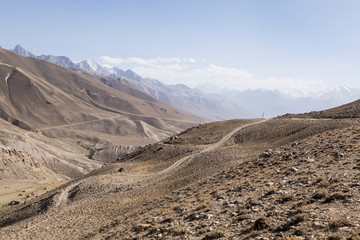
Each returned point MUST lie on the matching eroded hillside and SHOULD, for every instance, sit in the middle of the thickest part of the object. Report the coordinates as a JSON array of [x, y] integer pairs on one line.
[[69, 122], [239, 179]]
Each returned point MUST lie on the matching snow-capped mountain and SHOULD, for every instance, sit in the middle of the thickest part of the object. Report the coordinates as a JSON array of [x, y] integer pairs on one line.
[[95, 68], [274, 103], [22, 51], [58, 60], [220, 105], [342, 93], [180, 96]]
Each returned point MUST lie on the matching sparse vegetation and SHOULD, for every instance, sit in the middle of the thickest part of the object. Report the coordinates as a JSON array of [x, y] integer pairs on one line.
[[91, 149], [4, 206]]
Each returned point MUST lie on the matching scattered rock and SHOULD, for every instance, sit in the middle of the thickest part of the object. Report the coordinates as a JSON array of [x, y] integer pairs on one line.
[[289, 156], [265, 155], [141, 227], [158, 149], [293, 169], [339, 155], [174, 138], [14, 202], [319, 195], [212, 236], [260, 224], [307, 160]]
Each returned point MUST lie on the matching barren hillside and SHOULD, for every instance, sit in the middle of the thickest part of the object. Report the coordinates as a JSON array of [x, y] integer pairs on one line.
[[59, 98], [239, 179], [57, 117]]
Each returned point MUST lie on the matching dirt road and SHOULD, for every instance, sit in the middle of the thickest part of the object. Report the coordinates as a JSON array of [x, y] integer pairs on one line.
[[209, 148], [132, 178], [63, 198]]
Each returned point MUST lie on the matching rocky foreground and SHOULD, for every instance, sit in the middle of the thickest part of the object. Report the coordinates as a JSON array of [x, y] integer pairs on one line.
[[306, 190], [275, 179]]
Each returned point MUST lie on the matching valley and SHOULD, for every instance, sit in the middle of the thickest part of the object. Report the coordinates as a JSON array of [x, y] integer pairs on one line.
[[180, 120], [281, 178], [58, 115], [58, 124], [82, 160]]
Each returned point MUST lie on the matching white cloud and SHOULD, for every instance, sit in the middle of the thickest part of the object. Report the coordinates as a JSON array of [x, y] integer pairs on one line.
[[188, 71], [113, 61], [145, 62], [192, 60]]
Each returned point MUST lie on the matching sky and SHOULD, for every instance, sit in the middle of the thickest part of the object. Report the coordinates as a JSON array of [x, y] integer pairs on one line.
[[297, 47]]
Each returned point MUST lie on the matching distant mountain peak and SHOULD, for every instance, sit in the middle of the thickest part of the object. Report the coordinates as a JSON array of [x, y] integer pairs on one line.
[[91, 66], [214, 101], [347, 88], [91, 62], [18, 49], [132, 75]]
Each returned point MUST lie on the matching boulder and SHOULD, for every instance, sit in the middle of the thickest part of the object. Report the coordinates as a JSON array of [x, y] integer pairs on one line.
[[14, 202], [265, 155]]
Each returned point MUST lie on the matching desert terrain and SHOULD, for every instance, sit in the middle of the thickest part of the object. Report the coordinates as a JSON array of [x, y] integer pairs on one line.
[[58, 123], [281, 178], [180, 120], [81, 160]]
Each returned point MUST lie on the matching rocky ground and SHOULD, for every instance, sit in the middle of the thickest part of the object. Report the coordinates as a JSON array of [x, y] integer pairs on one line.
[[278, 179], [306, 190]]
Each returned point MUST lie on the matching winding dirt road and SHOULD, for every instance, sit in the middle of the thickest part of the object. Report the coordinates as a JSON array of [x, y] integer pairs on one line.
[[132, 178], [209, 148], [63, 198]]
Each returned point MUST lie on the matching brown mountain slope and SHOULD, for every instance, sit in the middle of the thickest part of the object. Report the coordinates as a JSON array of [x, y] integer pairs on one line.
[[57, 97], [18, 164], [75, 106], [51, 114], [28, 155], [184, 188]]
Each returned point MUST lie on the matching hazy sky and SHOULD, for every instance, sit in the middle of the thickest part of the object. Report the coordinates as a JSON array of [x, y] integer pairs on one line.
[[274, 44]]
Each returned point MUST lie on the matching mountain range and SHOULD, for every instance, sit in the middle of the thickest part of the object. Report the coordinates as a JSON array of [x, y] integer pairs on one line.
[[61, 106], [64, 173], [222, 105], [225, 104]]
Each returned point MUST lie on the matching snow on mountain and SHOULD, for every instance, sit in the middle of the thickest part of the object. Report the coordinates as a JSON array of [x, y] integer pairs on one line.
[[95, 68], [58, 60], [214, 102], [22, 51], [342, 93]]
